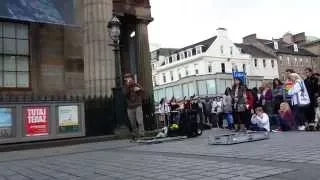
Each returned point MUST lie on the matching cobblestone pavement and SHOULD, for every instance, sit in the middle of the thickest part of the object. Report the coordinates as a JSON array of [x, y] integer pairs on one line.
[[285, 156]]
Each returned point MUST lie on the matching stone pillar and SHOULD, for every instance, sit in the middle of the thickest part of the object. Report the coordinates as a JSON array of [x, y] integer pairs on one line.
[[144, 72], [125, 50], [99, 65], [143, 58]]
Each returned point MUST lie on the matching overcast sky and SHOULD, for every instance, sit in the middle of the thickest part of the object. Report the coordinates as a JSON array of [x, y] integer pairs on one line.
[[178, 23]]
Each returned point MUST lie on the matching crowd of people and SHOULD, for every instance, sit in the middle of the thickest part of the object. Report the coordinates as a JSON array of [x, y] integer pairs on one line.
[[278, 106]]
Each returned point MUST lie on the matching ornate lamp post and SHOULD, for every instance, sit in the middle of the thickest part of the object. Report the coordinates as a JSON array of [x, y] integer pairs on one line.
[[114, 33]]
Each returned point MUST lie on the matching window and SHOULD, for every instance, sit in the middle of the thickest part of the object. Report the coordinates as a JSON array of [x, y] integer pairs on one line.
[[170, 59], [264, 63], [221, 49], [211, 87], [177, 91], [171, 75], [255, 63], [231, 50], [167, 60], [244, 68], [164, 78], [210, 68], [194, 52], [179, 74], [14, 56], [152, 66], [196, 70], [181, 55], [296, 61], [288, 60], [223, 68], [198, 50], [186, 71], [169, 92], [272, 63], [202, 87], [189, 53], [174, 57]]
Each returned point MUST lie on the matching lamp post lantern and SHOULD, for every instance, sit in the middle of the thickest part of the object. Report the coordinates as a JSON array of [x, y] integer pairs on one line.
[[119, 102]]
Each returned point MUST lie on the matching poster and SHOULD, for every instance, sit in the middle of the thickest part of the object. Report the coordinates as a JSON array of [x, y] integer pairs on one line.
[[44, 11], [6, 122], [36, 121], [68, 119]]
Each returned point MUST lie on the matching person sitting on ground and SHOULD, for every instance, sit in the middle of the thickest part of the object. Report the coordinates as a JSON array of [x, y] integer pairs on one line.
[[260, 120], [286, 117]]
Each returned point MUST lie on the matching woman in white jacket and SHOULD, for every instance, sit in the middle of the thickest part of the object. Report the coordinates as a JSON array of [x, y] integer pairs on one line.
[[299, 99]]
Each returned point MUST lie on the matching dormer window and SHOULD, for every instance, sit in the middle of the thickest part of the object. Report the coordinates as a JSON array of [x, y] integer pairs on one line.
[[275, 45], [174, 57], [295, 48], [181, 54], [170, 59], [198, 49], [167, 60], [189, 53]]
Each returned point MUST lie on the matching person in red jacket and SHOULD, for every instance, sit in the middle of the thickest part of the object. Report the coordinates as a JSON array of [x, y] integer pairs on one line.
[[250, 103]]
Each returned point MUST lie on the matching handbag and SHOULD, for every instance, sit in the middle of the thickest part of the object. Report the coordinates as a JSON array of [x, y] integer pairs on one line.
[[303, 97]]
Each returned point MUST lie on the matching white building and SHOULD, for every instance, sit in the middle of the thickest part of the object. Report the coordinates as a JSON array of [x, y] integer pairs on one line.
[[205, 68]]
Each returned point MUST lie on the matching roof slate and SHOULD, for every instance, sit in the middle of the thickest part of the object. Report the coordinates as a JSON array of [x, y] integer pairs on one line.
[[253, 51]]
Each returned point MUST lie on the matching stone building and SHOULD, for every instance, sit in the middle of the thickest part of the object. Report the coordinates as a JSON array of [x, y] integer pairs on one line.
[[290, 55], [206, 67], [71, 55]]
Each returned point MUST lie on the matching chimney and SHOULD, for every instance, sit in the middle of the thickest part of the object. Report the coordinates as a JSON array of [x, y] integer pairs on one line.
[[288, 38], [249, 38], [295, 47], [222, 32], [275, 45]]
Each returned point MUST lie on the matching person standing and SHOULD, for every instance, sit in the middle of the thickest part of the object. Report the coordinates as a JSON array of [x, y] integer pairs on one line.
[[311, 83], [238, 94], [133, 92], [300, 100], [227, 107], [288, 85]]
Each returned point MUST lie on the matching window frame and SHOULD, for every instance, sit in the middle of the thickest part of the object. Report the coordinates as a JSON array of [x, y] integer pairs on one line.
[[272, 63], [16, 55], [210, 67], [255, 62], [264, 63], [223, 68]]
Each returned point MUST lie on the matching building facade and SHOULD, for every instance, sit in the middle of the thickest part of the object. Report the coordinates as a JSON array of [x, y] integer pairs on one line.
[[290, 55], [205, 68], [72, 55]]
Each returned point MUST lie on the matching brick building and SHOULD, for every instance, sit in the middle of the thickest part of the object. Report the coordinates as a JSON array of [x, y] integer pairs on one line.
[[65, 50], [289, 53]]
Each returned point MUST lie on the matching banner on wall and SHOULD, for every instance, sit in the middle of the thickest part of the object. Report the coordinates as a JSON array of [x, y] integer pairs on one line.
[[42, 11], [68, 119], [36, 121], [6, 122]]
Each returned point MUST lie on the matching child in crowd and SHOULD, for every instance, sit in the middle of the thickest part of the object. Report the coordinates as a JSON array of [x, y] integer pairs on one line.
[[260, 120], [286, 117]]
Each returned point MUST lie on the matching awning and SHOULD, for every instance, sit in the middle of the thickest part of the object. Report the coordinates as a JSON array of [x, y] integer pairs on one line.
[[43, 11]]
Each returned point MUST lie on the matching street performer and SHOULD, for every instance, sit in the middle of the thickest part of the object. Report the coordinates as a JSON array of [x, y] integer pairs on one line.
[[133, 92]]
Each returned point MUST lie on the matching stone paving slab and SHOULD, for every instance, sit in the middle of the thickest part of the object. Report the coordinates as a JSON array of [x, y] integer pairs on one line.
[[118, 165], [297, 147]]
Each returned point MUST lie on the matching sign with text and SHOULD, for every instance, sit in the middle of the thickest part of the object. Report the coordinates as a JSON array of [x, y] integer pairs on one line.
[[36, 121], [6, 122], [68, 119]]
